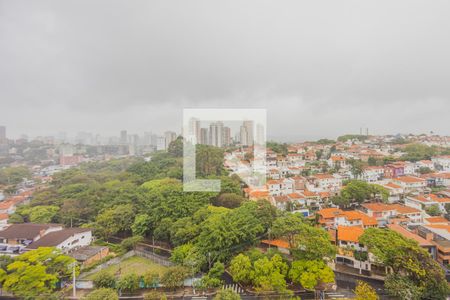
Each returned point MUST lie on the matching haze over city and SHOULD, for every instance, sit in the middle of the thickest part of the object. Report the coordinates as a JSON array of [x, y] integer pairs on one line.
[[320, 68]]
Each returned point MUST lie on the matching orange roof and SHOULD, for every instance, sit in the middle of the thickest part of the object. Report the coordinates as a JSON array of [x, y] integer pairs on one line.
[[309, 193], [408, 234], [4, 216], [259, 194], [324, 194], [393, 185], [349, 233], [273, 181], [328, 213], [7, 204], [439, 226], [295, 196], [378, 207], [323, 176], [277, 243], [402, 209], [357, 215], [337, 158], [409, 179], [436, 220]]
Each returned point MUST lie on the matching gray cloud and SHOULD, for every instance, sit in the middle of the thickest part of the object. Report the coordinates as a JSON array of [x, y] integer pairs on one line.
[[321, 68]]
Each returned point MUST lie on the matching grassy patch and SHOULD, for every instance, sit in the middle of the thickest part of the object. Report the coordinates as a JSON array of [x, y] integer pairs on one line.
[[135, 264]]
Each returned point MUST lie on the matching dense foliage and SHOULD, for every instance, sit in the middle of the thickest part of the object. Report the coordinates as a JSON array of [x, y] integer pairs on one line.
[[411, 265], [35, 272]]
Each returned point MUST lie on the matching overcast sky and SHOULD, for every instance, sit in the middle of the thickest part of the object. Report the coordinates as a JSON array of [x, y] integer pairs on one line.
[[321, 68]]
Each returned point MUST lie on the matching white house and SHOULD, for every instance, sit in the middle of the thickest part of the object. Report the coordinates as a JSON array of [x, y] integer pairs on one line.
[[410, 183]]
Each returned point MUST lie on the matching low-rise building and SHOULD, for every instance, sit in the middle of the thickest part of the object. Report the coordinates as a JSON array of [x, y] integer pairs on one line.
[[411, 183]]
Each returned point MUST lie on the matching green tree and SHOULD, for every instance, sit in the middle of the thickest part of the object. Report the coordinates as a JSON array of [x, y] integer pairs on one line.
[[372, 161], [176, 147], [229, 200], [151, 279], [166, 199], [213, 278], [241, 269], [433, 210], [174, 277], [141, 225], [287, 226], [114, 220], [403, 288], [15, 219], [310, 273], [43, 214], [35, 272], [209, 160], [102, 294], [224, 234], [13, 175], [128, 283], [104, 279], [269, 275], [312, 243], [364, 291], [131, 242], [356, 166], [189, 256], [405, 256]]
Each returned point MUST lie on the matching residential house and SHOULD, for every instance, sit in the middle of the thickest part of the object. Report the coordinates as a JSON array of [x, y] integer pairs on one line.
[[439, 235], [65, 239], [383, 213], [333, 217], [395, 192], [372, 173], [411, 183], [88, 255], [325, 182], [427, 245]]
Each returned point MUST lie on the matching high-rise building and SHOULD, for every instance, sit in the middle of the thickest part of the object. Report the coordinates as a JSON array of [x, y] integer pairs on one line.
[[204, 136], [170, 136], [2, 135], [216, 134], [161, 143], [243, 136], [250, 132], [123, 137], [226, 136], [194, 130], [260, 135], [246, 133]]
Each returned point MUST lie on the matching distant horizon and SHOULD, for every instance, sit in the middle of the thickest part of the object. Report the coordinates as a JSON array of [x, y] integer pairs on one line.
[[292, 138]]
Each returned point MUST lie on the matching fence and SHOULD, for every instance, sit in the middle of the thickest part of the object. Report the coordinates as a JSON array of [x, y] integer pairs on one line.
[[158, 259]]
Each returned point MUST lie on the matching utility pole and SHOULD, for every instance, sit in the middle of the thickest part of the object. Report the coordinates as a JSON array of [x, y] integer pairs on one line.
[[74, 288]]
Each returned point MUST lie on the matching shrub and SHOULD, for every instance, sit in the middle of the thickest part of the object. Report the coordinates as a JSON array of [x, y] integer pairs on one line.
[[131, 242], [102, 294], [104, 279], [174, 277], [155, 295], [128, 283]]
